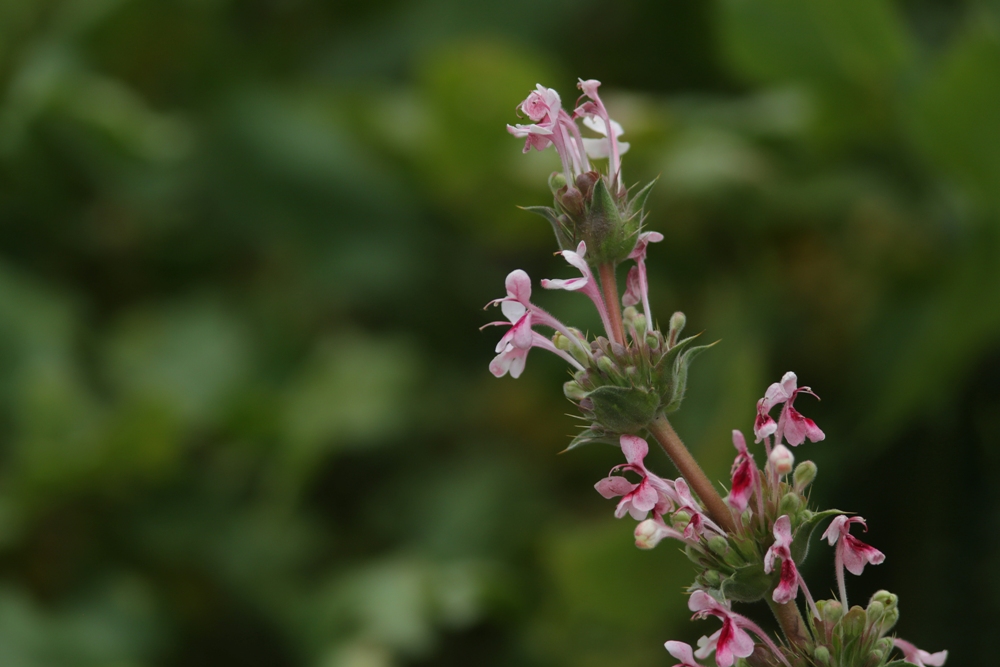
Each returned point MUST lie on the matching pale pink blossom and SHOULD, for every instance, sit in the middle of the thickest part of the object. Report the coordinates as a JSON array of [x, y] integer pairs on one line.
[[522, 315], [650, 532], [552, 125], [586, 284], [744, 475], [788, 586], [729, 642], [781, 459], [851, 552], [637, 500], [683, 652], [791, 426], [919, 657], [594, 108], [637, 284]]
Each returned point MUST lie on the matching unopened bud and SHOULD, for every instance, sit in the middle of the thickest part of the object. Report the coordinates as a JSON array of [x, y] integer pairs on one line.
[[680, 519], [562, 342], [890, 600], [652, 341], [574, 391], [713, 578], [695, 555], [718, 545], [677, 322], [782, 459], [884, 645], [889, 618], [632, 373], [571, 200], [629, 314], [648, 534], [874, 611], [607, 366], [854, 622], [790, 504], [556, 182], [878, 654], [822, 655], [585, 182], [804, 475], [830, 611]]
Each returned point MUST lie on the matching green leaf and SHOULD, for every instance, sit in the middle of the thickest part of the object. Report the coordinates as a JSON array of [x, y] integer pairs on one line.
[[748, 584], [563, 236], [624, 409], [679, 384], [589, 437], [800, 543]]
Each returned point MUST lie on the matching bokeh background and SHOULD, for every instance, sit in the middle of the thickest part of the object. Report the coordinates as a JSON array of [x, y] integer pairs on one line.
[[245, 413]]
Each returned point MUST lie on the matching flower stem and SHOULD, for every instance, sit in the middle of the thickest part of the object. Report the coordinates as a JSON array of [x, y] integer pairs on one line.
[[609, 287], [716, 507], [790, 620]]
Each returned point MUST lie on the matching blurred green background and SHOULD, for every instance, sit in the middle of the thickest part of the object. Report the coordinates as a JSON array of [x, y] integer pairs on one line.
[[245, 412]]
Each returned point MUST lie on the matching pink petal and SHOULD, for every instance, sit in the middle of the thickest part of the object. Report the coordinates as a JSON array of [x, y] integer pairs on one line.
[[836, 528], [918, 656], [798, 428], [614, 486], [682, 651], [742, 485], [639, 251], [511, 360], [783, 531], [739, 442], [512, 310], [589, 87], [857, 554], [571, 284], [518, 286], [733, 643], [634, 448], [788, 587], [644, 498]]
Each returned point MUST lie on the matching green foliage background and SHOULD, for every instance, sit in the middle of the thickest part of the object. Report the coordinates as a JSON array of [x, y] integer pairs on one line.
[[245, 416]]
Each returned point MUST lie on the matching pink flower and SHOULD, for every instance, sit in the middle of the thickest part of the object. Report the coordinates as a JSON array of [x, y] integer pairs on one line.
[[851, 552], [552, 126], [637, 285], [594, 108], [682, 652], [522, 315], [788, 586], [651, 493], [586, 284], [744, 475], [791, 425], [729, 642], [781, 459], [919, 657]]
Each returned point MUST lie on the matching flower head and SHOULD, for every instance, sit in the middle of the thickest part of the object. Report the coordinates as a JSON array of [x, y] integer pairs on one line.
[[744, 475], [637, 500], [729, 642], [855, 553], [683, 652], [791, 425]]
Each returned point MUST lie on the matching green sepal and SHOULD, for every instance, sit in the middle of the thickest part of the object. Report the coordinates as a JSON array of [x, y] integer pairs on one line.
[[601, 226], [624, 409], [680, 373], [800, 543], [564, 236], [748, 584], [638, 201], [588, 437]]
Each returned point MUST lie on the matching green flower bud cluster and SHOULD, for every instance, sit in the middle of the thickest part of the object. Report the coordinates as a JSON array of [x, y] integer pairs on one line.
[[856, 636], [624, 387], [595, 209]]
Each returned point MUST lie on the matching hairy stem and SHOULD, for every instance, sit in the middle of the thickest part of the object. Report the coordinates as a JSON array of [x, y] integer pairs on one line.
[[790, 620], [609, 287], [716, 507]]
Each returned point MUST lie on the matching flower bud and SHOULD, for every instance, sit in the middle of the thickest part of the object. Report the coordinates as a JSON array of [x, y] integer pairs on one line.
[[556, 182], [680, 519], [648, 534], [782, 460], [718, 545], [695, 555], [607, 366], [629, 315], [790, 504], [854, 622], [562, 342], [830, 610], [804, 475], [889, 618], [712, 578], [890, 600], [574, 391], [585, 182], [632, 373], [822, 655], [677, 322], [652, 341], [874, 611], [571, 200], [884, 645]]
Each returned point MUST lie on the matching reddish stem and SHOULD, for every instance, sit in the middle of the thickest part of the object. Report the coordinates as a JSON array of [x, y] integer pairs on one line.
[[609, 288]]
